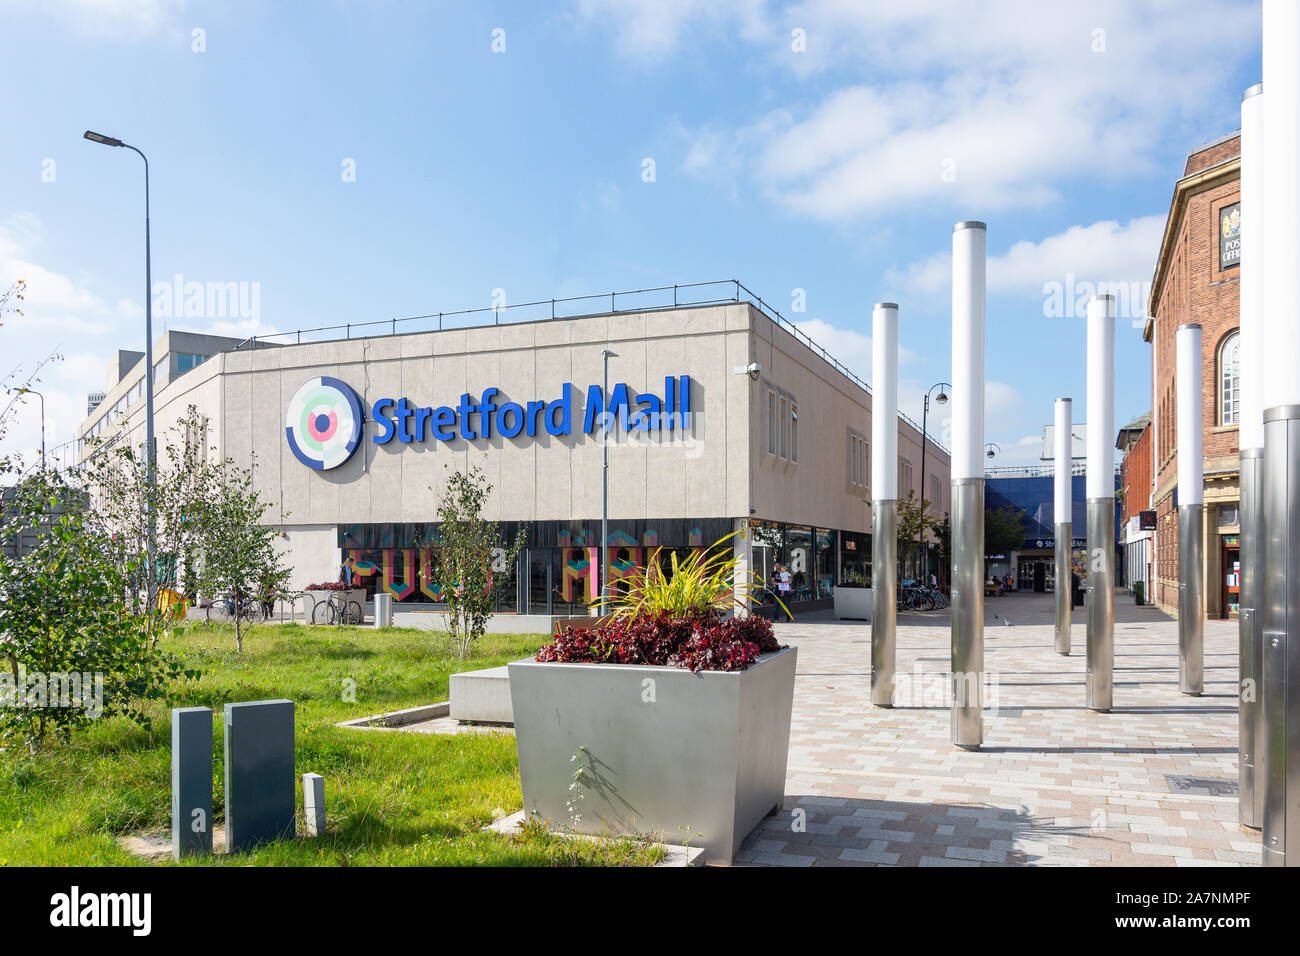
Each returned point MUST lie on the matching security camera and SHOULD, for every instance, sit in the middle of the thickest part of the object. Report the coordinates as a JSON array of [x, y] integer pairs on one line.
[[752, 370]]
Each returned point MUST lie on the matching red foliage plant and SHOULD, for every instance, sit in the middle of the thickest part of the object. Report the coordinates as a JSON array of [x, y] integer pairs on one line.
[[696, 642], [328, 586]]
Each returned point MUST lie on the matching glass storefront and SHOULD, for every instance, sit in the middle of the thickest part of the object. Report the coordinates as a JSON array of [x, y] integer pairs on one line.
[[824, 572], [555, 573], [557, 570], [818, 558], [855, 559], [798, 558]]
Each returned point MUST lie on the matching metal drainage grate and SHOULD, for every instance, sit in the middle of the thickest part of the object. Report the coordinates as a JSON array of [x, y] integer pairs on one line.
[[1209, 786]]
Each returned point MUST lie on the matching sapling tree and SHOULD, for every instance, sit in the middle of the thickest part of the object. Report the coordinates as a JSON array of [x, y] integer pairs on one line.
[[474, 563], [914, 520], [211, 524], [1004, 529], [234, 550], [119, 474], [73, 650]]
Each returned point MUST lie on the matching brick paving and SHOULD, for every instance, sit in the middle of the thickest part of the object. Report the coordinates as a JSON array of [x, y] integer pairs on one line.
[[1054, 784]]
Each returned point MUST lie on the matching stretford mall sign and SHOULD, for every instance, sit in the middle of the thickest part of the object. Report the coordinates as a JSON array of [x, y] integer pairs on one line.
[[324, 421]]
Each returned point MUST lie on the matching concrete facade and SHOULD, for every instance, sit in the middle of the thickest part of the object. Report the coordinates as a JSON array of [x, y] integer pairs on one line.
[[718, 467]]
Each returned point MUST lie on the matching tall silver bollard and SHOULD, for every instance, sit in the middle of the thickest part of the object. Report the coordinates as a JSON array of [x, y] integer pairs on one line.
[[1280, 580], [1250, 790], [969, 242], [1101, 502], [1280, 700], [884, 501], [1191, 512], [1062, 515]]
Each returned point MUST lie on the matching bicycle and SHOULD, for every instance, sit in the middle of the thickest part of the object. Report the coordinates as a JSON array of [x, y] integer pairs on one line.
[[236, 605], [337, 609], [916, 598]]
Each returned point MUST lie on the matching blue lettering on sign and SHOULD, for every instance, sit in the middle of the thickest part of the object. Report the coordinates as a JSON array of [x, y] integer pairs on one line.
[[485, 416]]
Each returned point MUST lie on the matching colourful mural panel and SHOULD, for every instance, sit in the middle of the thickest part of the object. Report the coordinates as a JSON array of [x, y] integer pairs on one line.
[[400, 572], [578, 586]]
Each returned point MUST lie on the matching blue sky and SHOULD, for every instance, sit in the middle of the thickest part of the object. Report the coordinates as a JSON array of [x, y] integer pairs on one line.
[[820, 146]]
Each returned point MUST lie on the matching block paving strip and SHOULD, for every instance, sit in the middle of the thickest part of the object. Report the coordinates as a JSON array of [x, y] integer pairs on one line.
[[1053, 785]]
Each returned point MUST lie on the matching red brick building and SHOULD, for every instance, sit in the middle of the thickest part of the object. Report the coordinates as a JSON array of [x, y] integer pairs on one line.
[[1135, 442], [1196, 280]]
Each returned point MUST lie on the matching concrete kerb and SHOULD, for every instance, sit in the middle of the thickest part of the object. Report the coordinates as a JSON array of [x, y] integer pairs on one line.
[[397, 719], [676, 856]]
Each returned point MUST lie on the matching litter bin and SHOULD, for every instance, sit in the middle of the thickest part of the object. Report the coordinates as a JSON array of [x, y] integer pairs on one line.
[[1139, 592], [1076, 590]]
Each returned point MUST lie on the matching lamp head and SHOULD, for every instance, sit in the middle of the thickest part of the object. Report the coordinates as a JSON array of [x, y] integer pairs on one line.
[[102, 139]]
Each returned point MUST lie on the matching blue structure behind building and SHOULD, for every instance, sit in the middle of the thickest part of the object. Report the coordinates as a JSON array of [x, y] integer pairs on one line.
[[1035, 496]]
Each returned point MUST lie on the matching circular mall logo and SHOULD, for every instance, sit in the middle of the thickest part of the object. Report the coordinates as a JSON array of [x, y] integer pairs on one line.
[[323, 424]]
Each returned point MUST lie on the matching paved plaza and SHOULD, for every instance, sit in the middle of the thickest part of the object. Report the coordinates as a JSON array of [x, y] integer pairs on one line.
[[1153, 783]]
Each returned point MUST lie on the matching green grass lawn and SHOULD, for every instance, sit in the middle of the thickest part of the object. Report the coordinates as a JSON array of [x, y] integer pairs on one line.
[[392, 798]]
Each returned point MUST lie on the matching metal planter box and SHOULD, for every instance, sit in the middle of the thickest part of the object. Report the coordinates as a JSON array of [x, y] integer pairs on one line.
[[685, 758], [852, 603]]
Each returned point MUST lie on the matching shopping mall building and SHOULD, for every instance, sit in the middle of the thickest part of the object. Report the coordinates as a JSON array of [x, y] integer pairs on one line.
[[725, 418]]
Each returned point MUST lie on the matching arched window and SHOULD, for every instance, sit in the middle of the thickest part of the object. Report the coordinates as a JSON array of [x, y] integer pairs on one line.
[[1229, 379]]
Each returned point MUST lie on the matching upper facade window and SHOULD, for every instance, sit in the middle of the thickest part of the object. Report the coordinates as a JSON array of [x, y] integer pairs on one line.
[[782, 426], [186, 361], [859, 462], [1229, 366]]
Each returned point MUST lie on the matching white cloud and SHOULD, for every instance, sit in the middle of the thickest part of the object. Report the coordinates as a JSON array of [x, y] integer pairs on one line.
[[1026, 450], [1102, 252], [850, 348], [1003, 404], [649, 29], [981, 107], [59, 313]]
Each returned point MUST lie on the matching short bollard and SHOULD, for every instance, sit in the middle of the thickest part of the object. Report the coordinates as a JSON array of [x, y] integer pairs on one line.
[[383, 610], [313, 803], [191, 781], [259, 773]]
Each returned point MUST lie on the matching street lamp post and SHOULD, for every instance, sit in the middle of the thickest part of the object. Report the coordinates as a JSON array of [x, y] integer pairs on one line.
[[32, 391], [940, 399], [605, 356], [150, 456], [1063, 517]]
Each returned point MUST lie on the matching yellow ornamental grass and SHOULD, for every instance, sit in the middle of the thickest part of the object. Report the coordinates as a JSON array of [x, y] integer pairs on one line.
[[704, 581]]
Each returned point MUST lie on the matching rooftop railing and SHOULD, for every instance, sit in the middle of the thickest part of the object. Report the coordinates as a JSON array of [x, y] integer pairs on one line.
[[1036, 471], [656, 299]]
